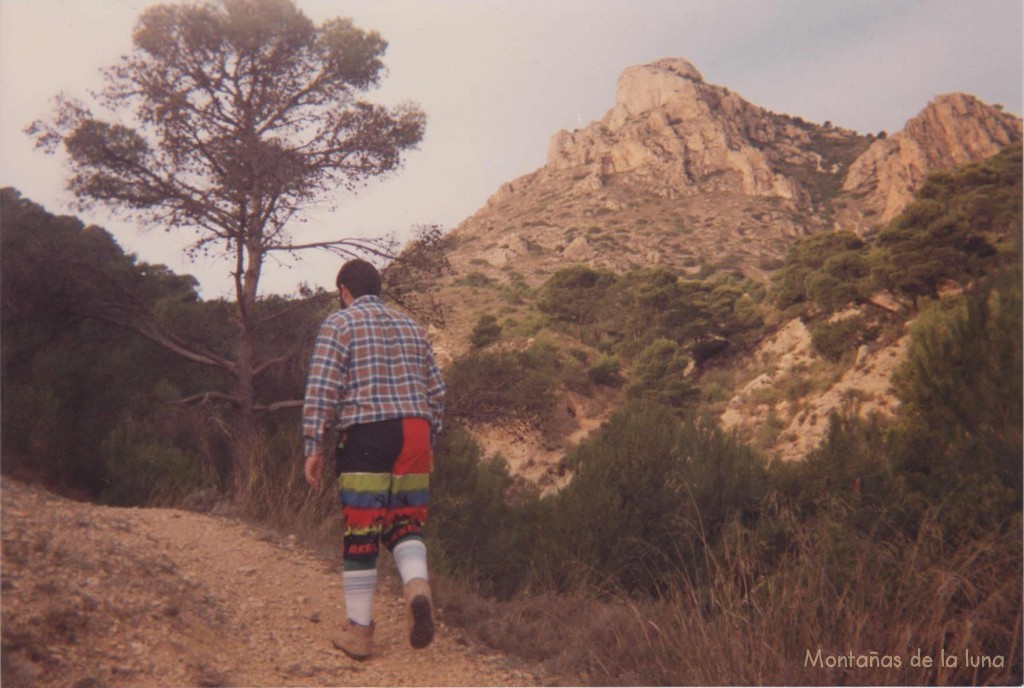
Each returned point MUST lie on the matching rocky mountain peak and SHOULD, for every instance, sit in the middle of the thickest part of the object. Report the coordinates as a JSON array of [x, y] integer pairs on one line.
[[951, 130], [648, 87], [672, 129], [688, 175]]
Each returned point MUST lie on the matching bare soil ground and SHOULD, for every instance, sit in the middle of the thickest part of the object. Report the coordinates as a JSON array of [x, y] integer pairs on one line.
[[96, 596]]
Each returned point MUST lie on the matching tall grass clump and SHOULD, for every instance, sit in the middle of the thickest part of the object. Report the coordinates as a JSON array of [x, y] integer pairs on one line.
[[842, 608], [280, 497]]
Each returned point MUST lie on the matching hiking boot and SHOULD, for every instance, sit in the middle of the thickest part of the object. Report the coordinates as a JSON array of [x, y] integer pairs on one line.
[[354, 640], [421, 612]]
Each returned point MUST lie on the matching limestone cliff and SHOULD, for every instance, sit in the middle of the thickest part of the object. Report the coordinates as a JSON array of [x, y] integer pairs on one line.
[[952, 130], [679, 172], [673, 130], [687, 174]]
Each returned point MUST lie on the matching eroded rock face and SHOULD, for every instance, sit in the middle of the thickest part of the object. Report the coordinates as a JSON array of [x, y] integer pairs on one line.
[[675, 132], [952, 130], [689, 176], [865, 389], [670, 126], [643, 88]]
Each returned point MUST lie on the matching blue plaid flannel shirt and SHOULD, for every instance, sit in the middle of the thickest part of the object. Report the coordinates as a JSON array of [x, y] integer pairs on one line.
[[370, 363]]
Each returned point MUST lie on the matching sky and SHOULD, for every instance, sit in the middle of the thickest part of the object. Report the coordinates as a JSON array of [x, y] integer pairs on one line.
[[497, 78]]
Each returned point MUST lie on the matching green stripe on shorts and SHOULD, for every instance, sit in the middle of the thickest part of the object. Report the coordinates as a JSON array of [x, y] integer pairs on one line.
[[411, 482], [364, 482]]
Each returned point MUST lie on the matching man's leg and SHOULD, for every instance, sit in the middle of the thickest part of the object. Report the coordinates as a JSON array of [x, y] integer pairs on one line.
[[403, 531], [362, 502], [364, 484], [363, 498], [411, 558]]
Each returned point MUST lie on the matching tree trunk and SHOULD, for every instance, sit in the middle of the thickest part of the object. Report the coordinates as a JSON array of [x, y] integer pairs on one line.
[[245, 446]]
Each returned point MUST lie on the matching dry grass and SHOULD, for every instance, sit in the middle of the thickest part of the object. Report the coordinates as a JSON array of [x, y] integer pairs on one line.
[[279, 497], [897, 599], [743, 625]]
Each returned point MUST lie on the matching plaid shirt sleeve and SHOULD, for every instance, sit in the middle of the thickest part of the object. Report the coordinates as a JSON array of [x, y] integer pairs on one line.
[[324, 386]]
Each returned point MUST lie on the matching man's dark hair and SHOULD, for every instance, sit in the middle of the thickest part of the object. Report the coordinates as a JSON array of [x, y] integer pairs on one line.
[[360, 278]]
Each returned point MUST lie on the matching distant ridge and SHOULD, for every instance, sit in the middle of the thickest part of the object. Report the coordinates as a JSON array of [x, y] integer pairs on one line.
[[689, 175]]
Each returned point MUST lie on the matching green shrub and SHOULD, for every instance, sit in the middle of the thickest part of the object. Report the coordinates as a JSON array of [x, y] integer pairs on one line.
[[516, 290], [140, 470], [579, 355], [658, 375], [834, 339], [961, 394], [476, 279], [532, 323], [542, 356], [646, 494], [479, 532], [605, 371], [576, 295], [829, 268], [498, 386], [486, 331]]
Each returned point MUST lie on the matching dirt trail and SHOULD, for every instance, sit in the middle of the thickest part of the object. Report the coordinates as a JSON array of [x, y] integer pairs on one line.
[[96, 596]]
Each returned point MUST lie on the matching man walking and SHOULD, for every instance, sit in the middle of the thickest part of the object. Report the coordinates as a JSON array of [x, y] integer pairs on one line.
[[374, 378]]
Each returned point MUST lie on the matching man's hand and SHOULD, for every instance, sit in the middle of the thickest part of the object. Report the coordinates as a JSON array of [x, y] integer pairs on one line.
[[314, 469]]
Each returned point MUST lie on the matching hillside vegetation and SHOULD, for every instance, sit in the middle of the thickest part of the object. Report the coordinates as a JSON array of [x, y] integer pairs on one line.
[[673, 552], [895, 533]]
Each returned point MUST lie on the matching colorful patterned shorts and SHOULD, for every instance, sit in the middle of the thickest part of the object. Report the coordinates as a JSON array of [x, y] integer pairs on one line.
[[383, 484]]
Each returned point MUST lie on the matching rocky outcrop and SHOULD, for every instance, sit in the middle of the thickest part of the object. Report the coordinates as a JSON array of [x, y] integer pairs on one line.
[[802, 422], [674, 130], [687, 175], [952, 130], [679, 172], [683, 173]]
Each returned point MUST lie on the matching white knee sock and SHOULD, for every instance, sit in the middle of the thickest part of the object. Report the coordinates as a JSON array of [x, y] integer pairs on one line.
[[359, 589], [411, 559]]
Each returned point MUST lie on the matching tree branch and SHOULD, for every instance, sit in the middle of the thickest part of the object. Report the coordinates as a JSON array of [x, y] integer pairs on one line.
[[121, 307], [158, 335], [279, 406], [278, 360], [295, 307], [205, 398], [372, 246]]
